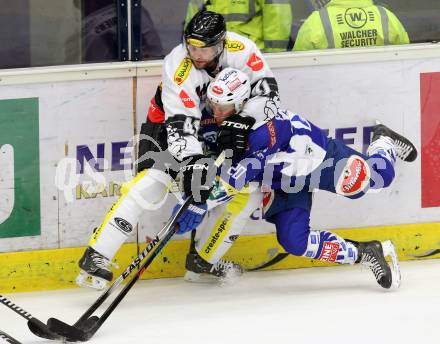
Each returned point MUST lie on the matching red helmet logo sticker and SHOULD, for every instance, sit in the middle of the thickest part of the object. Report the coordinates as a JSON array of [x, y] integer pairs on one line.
[[217, 90], [186, 100], [255, 62]]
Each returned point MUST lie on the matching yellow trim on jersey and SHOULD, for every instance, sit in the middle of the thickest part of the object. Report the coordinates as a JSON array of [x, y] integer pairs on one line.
[[223, 225], [125, 188]]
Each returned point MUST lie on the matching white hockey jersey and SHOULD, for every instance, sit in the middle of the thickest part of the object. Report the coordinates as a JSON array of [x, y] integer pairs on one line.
[[184, 90]]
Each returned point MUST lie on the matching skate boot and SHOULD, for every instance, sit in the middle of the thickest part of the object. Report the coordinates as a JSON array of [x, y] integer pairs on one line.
[[372, 254], [199, 270], [94, 270], [404, 149]]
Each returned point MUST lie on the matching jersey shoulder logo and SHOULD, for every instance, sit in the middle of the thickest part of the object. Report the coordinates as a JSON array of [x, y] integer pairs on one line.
[[182, 71], [255, 62], [234, 46], [186, 100]]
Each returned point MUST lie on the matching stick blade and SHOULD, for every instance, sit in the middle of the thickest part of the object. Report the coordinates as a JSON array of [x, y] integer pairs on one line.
[[71, 333], [276, 259], [41, 330], [88, 325]]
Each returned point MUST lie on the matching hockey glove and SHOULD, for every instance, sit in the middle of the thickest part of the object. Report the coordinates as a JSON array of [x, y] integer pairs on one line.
[[194, 177], [191, 217], [233, 134], [265, 87]]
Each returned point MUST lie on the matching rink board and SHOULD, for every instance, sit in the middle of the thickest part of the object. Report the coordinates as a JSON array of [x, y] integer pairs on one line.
[[57, 269], [87, 116]]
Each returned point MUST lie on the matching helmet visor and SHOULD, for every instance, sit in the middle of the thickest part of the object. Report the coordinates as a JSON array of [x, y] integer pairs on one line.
[[205, 54]]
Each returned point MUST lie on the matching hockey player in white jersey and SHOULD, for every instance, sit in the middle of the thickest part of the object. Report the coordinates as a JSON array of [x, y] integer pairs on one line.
[[291, 156], [177, 108]]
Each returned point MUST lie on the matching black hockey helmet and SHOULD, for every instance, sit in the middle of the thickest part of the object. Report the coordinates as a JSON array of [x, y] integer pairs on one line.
[[205, 29]]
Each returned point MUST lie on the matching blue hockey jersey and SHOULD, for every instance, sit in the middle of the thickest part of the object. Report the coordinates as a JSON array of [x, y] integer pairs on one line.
[[283, 149]]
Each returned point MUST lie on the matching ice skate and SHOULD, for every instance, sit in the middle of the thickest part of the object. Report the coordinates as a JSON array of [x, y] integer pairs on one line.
[[372, 254], [94, 270], [404, 149], [199, 270]]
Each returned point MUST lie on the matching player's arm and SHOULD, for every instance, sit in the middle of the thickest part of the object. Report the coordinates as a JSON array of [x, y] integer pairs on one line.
[[262, 142], [182, 120], [182, 109], [251, 61], [264, 87], [152, 138]]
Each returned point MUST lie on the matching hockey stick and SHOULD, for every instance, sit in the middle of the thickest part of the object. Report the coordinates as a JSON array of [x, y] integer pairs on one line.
[[36, 326], [87, 325], [7, 338], [272, 260], [273, 256]]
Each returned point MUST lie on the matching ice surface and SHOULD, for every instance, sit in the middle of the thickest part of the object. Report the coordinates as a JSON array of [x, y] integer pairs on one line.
[[318, 305]]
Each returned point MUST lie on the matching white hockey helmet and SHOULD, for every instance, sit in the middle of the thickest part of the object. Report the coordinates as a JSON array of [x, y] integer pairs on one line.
[[230, 87]]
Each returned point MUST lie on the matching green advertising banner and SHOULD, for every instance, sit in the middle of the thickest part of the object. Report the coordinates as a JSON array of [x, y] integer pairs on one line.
[[19, 168]]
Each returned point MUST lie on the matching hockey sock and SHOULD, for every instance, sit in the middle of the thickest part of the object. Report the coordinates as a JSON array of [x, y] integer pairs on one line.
[[329, 247]]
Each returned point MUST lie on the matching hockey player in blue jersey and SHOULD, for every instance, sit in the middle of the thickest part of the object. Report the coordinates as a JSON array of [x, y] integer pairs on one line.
[[291, 157]]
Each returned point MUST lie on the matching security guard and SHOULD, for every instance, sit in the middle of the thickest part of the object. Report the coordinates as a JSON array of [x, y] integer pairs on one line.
[[266, 22], [350, 24]]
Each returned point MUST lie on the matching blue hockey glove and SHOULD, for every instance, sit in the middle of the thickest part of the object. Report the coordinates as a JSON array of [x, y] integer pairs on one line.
[[191, 217]]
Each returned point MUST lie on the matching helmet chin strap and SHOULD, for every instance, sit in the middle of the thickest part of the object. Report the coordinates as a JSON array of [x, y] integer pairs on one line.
[[214, 67]]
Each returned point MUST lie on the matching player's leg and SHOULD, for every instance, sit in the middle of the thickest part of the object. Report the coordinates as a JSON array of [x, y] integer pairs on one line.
[[145, 192], [386, 145], [387, 142], [296, 237], [218, 231], [351, 174]]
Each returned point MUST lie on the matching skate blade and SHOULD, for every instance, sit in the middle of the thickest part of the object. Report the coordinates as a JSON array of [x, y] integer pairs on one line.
[[200, 278], [390, 250], [88, 281], [230, 277], [207, 278]]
